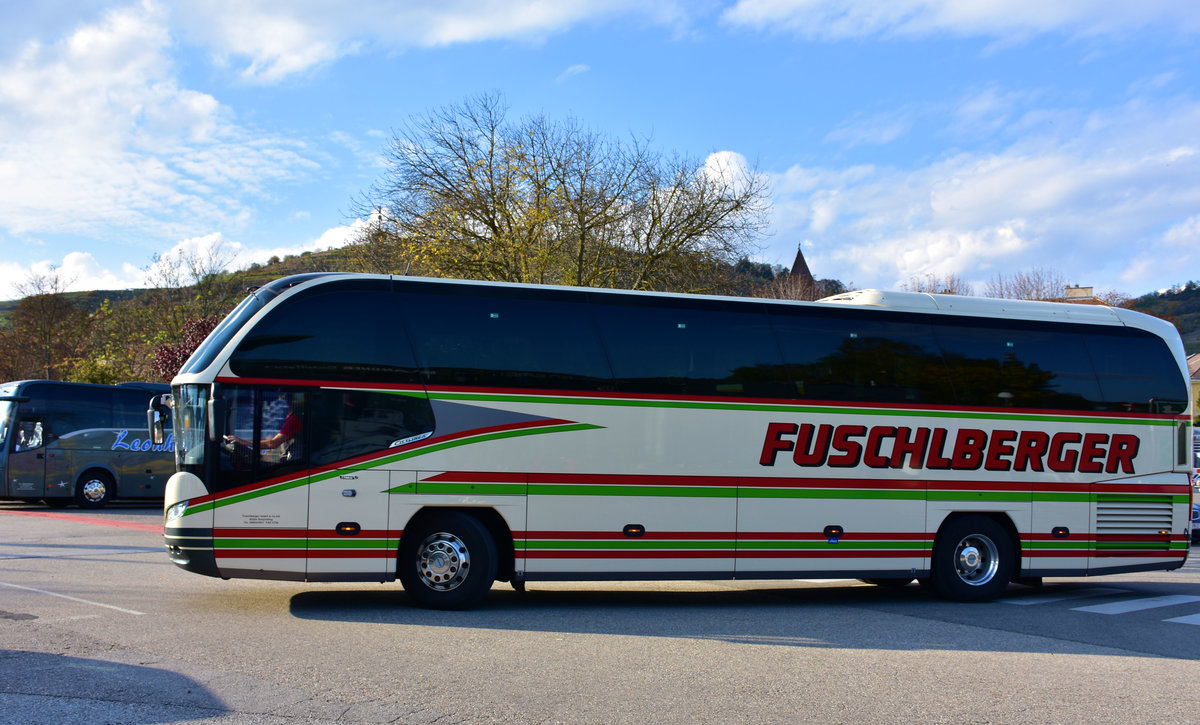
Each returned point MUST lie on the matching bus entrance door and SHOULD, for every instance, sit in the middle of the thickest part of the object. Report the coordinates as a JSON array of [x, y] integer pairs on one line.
[[347, 525], [27, 461]]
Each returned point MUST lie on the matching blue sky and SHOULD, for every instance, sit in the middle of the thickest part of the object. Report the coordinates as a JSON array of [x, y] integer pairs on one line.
[[901, 139]]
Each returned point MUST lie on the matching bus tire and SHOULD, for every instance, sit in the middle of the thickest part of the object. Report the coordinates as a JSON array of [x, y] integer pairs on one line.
[[973, 559], [447, 560], [94, 490]]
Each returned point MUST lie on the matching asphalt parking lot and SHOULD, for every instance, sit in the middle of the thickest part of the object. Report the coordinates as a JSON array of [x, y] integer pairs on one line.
[[98, 626]]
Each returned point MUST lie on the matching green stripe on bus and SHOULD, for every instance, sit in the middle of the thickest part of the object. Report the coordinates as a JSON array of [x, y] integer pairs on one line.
[[258, 543]]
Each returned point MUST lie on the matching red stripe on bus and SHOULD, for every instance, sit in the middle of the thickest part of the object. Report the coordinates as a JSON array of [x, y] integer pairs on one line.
[[725, 554], [720, 536]]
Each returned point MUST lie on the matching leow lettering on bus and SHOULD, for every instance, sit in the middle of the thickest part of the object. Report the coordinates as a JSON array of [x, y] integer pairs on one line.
[[140, 444]]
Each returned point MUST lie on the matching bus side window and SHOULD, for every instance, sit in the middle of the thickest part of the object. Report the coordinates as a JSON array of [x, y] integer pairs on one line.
[[351, 423], [1134, 368], [29, 436]]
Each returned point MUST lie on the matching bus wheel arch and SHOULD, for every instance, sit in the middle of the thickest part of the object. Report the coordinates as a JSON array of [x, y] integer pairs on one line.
[[447, 558], [95, 488], [975, 556]]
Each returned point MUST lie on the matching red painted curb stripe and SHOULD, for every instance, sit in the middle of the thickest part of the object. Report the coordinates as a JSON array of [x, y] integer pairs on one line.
[[152, 528]]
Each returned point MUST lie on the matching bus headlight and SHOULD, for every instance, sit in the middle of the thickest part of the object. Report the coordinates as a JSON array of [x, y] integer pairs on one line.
[[176, 511]]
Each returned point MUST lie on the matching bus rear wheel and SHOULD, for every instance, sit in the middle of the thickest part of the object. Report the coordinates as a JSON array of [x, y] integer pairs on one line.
[[973, 559], [447, 560], [94, 490]]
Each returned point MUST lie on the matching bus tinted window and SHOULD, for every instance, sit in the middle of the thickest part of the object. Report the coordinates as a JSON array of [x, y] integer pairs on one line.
[[691, 350], [333, 333], [351, 423], [863, 358], [993, 363], [68, 408], [493, 338], [1134, 368], [129, 408]]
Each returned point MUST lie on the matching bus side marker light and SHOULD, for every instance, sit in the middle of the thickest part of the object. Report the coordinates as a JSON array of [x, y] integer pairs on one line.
[[833, 532], [633, 530], [348, 528], [1060, 532]]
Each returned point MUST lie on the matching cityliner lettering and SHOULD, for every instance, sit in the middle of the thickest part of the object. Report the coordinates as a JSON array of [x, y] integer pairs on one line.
[[963, 449]]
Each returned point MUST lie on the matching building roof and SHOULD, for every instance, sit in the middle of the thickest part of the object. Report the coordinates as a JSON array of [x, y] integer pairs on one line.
[[800, 269]]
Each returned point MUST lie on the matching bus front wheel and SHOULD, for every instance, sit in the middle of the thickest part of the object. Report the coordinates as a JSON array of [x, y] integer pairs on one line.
[[94, 490], [447, 561], [973, 559]]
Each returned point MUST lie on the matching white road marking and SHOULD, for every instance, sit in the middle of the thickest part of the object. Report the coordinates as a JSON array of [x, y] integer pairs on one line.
[[73, 599], [1190, 619], [1137, 605]]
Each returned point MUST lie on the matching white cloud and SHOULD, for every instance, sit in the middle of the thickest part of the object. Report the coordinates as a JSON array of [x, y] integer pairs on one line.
[[96, 132], [871, 130], [332, 238], [577, 69], [214, 252], [77, 270], [1110, 201], [1008, 19], [272, 41], [727, 167]]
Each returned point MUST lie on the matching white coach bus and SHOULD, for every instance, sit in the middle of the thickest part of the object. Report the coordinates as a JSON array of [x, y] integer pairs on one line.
[[450, 434]]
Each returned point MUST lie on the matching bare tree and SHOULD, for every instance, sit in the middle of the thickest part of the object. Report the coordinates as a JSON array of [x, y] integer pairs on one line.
[[49, 324], [1033, 284], [469, 194], [950, 284]]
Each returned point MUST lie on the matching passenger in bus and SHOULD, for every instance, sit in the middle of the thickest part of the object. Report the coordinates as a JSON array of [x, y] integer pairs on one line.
[[29, 436]]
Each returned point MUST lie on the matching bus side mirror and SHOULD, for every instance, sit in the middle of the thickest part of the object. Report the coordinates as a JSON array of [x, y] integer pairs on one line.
[[216, 419], [156, 418]]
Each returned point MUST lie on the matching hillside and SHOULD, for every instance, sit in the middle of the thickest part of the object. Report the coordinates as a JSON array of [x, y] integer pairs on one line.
[[1181, 306]]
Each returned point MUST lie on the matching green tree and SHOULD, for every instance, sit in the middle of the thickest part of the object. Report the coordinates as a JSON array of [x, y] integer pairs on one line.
[[469, 194]]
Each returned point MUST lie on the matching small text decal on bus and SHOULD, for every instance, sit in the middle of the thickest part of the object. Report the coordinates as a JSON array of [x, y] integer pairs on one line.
[[965, 449]]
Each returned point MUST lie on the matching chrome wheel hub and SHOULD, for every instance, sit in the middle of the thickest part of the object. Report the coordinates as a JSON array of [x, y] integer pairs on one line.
[[976, 560], [94, 490], [443, 561]]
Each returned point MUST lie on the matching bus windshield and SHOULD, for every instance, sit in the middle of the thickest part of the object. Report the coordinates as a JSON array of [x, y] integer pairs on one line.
[[190, 423], [6, 408]]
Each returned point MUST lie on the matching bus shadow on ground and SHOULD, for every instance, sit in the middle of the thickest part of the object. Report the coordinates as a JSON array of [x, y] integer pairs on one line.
[[46, 687], [847, 615]]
